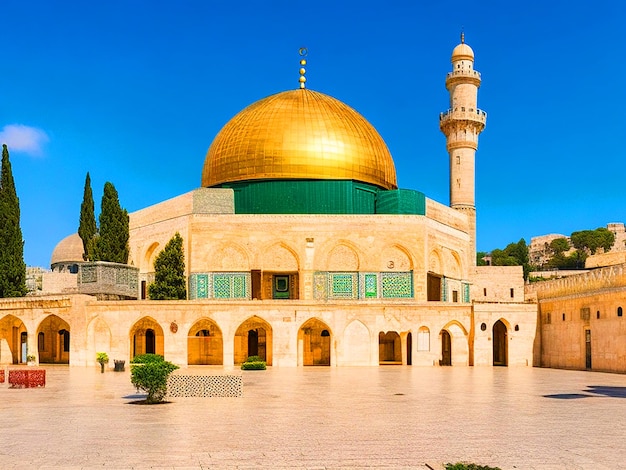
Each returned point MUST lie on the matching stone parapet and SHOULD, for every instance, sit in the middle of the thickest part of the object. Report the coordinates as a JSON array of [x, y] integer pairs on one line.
[[582, 284]]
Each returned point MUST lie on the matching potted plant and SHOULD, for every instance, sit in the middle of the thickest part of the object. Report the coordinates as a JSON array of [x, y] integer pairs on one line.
[[30, 359], [102, 358]]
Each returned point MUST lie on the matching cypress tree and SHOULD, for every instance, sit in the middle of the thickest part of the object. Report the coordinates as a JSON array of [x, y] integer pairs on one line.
[[87, 226], [111, 243], [12, 266], [169, 272]]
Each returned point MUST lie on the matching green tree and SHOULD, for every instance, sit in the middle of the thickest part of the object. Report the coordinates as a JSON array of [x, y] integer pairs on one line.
[[479, 258], [87, 226], [559, 245], [169, 272], [12, 266], [590, 240], [515, 254], [111, 242]]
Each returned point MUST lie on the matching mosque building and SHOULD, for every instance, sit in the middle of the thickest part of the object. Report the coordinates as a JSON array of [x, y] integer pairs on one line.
[[300, 248]]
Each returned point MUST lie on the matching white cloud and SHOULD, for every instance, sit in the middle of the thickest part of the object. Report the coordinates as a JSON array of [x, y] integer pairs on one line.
[[25, 139]]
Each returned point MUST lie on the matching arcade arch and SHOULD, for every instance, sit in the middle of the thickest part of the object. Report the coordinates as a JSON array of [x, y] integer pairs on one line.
[[389, 348], [314, 340], [53, 340], [205, 343], [454, 345], [253, 338], [13, 340], [146, 337]]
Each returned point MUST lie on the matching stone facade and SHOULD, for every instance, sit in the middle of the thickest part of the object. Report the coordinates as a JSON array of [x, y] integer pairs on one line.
[[581, 320]]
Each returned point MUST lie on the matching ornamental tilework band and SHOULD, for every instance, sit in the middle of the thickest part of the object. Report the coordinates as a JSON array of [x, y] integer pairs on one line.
[[222, 286], [344, 285], [388, 285], [397, 285]]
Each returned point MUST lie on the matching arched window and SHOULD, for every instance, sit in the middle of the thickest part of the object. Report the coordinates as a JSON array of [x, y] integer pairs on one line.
[[423, 339], [619, 311]]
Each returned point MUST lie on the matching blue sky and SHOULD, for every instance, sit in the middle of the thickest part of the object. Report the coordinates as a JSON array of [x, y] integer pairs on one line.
[[135, 91]]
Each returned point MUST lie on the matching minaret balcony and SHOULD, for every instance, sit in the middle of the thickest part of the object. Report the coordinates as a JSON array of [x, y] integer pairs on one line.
[[463, 73], [462, 76], [463, 114]]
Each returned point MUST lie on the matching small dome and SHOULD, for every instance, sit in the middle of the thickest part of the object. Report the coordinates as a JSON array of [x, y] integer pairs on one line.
[[462, 52], [299, 134], [68, 250]]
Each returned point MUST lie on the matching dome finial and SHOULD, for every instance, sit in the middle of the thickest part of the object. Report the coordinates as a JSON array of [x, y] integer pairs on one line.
[[462, 36], [303, 52]]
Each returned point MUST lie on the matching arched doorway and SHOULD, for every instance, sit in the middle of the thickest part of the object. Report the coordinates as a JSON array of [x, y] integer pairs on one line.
[[146, 337], [314, 341], [389, 348], [500, 346], [13, 336], [53, 341], [446, 349], [253, 338], [205, 344]]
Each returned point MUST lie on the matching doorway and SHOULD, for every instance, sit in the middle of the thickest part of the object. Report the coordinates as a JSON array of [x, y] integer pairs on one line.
[[500, 345], [446, 349]]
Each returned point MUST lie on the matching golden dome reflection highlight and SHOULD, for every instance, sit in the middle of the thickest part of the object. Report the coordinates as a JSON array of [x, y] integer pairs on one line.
[[299, 134]]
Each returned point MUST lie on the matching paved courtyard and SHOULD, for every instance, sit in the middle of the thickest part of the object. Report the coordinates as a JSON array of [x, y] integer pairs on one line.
[[317, 418]]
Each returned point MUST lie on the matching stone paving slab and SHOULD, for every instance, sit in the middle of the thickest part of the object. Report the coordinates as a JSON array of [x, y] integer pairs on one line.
[[390, 417]]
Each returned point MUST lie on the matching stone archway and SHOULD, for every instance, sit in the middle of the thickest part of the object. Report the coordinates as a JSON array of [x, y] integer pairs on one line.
[[253, 338], [12, 333], [500, 344], [314, 340], [146, 337], [389, 348], [53, 341], [205, 344], [446, 349]]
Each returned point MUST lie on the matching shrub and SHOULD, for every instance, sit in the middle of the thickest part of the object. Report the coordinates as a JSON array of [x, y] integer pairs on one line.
[[149, 373], [469, 466], [146, 358], [254, 363], [257, 365]]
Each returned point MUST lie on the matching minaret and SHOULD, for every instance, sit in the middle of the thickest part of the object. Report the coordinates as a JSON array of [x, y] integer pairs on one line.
[[461, 124]]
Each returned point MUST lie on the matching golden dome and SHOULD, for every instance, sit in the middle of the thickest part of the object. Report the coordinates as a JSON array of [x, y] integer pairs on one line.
[[68, 250], [299, 134], [462, 52]]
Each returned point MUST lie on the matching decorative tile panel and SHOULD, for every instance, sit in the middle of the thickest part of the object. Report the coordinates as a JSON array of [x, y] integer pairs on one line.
[[370, 284], [219, 286], [344, 285], [398, 285]]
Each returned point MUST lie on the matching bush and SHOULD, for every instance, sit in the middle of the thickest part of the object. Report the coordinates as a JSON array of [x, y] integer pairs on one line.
[[257, 365], [469, 466], [146, 358], [254, 363], [149, 373]]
